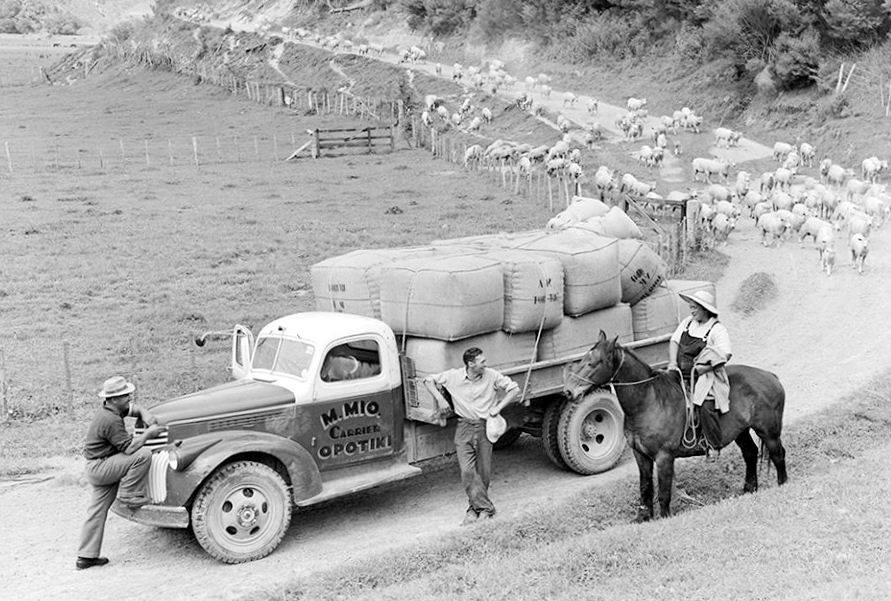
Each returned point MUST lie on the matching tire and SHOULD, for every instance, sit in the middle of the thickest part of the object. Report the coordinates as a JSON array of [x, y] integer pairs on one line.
[[507, 439], [550, 434], [591, 437], [242, 512]]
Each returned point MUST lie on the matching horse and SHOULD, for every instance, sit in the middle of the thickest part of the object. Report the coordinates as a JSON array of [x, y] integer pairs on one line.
[[656, 415]]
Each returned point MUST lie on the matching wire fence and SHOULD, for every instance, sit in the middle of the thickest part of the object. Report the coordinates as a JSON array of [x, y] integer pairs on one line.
[[868, 81]]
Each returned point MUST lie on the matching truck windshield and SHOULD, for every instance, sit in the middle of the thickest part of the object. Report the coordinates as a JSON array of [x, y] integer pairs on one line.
[[283, 355]]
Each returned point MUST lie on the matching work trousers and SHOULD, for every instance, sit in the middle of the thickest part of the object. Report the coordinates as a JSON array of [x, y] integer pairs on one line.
[[475, 460], [118, 475], [710, 424]]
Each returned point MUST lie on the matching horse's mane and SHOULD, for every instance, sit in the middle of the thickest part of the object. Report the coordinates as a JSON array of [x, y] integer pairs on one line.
[[665, 384]]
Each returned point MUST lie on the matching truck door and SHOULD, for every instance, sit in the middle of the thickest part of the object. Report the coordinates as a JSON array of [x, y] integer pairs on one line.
[[353, 414]]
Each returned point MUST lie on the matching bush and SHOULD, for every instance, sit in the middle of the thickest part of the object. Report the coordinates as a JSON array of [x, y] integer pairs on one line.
[[8, 25], [748, 28], [856, 23], [796, 59]]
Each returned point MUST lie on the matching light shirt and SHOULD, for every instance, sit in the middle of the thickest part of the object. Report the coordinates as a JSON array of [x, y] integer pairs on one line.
[[718, 338], [474, 399]]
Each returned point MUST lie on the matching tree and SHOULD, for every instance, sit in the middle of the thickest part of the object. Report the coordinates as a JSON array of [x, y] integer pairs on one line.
[[855, 23], [747, 29]]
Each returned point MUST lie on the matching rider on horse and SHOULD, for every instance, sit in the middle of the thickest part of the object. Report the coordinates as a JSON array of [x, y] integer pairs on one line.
[[700, 346]]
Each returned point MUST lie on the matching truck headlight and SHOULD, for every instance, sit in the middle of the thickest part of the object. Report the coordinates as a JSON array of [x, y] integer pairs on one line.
[[173, 460]]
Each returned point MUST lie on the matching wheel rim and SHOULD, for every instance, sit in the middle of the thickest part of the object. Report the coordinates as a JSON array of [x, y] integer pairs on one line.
[[245, 516], [599, 432]]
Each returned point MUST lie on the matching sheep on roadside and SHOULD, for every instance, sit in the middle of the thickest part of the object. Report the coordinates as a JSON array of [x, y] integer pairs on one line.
[[487, 114], [709, 167], [871, 167], [859, 249], [569, 99], [473, 155], [456, 119], [827, 259], [781, 150], [475, 124], [426, 119], [636, 104], [545, 91], [726, 137], [721, 227], [457, 72], [772, 227], [593, 106], [808, 154], [603, 180], [815, 227]]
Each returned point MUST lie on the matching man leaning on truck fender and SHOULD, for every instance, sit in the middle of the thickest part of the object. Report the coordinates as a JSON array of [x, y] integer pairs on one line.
[[473, 389], [117, 464]]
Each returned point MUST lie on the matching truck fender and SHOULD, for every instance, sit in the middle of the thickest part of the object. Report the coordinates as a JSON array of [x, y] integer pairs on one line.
[[215, 449]]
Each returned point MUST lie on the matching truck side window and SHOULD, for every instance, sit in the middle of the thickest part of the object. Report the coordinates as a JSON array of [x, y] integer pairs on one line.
[[352, 361]]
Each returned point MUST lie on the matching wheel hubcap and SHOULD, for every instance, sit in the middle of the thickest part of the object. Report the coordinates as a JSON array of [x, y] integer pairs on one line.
[[598, 433], [244, 514]]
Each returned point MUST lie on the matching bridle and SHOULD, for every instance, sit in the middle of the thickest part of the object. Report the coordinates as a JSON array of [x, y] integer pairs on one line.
[[615, 372]]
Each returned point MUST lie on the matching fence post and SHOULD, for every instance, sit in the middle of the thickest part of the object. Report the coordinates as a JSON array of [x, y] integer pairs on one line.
[[195, 150], [147, 163], [4, 407], [170, 151], [69, 393], [392, 138], [8, 156], [316, 151], [370, 145]]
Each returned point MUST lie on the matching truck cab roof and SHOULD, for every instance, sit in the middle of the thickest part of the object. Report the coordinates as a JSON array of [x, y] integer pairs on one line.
[[322, 326]]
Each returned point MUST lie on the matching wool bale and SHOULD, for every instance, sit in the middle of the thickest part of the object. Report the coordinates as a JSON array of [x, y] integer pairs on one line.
[[482, 242], [580, 209], [350, 283], [618, 224], [640, 270], [689, 287], [578, 334], [655, 315], [447, 298], [502, 351], [533, 290], [590, 267]]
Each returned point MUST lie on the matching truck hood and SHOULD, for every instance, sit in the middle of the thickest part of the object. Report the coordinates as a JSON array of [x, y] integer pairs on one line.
[[232, 397]]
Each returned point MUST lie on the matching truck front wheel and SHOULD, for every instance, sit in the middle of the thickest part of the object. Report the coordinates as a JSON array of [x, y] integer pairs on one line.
[[242, 512], [550, 435], [591, 436]]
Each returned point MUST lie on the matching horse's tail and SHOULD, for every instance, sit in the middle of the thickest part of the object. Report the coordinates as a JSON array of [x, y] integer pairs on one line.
[[764, 454]]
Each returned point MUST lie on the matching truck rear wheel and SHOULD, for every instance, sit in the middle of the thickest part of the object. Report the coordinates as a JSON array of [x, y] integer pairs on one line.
[[591, 437], [242, 512], [550, 435]]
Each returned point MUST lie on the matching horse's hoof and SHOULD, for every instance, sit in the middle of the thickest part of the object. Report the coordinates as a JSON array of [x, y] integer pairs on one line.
[[642, 517], [750, 488]]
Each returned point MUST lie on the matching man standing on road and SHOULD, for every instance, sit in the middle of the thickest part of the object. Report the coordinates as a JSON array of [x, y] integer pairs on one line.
[[473, 389], [117, 464]]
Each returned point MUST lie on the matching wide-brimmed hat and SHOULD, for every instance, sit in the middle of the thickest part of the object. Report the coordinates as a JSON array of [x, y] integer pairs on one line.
[[116, 386], [703, 298], [495, 428]]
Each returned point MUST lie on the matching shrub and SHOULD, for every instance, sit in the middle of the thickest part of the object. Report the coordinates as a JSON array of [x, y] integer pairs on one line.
[[856, 23], [8, 25], [748, 28], [796, 59]]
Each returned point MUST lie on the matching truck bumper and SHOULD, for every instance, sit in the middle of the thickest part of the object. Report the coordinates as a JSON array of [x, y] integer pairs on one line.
[[154, 515]]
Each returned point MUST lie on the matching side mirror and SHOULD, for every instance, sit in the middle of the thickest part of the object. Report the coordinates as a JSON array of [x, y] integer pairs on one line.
[[242, 351]]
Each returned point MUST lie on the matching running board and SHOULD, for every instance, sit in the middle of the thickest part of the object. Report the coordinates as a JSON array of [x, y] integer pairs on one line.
[[338, 483]]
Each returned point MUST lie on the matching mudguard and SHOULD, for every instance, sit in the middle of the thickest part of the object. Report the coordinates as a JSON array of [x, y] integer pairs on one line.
[[200, 455]]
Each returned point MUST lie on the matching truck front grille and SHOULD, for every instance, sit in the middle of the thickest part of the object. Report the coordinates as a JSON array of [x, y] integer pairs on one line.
[[158, 441], [157, 477]]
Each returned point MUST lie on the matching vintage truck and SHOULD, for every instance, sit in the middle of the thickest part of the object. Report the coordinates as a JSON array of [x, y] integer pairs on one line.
[[234, 461]]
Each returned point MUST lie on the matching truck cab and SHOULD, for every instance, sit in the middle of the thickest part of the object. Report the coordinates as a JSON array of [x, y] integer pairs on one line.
[[316, 411]]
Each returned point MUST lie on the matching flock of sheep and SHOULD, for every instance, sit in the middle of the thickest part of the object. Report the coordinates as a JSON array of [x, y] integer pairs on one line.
[[836, 205]]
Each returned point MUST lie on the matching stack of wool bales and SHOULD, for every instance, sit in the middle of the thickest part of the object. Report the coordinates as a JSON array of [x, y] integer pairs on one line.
[[661, 311]]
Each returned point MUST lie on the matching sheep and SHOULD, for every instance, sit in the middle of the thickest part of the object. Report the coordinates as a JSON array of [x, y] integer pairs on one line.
[[816, 228], [645, 155], [635, 104], [742, 184], [691, 122], [575, 155], [808, 154], [456, 119], [827, 259], [793, 160], [569, 99], [543, 79], [782, 201], [530, 82], [721, 227], [465, 106], [772, 227], [859, 223], [877, 210], [524, 101], [716, 192], [442, 112], [475, 124], [545, 91], [563, 123], [859, 249], [538, 153], [661, 141], [593, 106], [376, 48], [431, 101], [632, 184], [871, 167], [524, 166], [567, 137], [473, 155], [635, 131], [781, 150], [760, 209], [426, 119], [855, 187], [574, 170], [457, 72], [558, 150], [726, 137], [783, 177], [487, 114], [677, 150], [709, 167], [555, 166], [658, 156], [670, 123], [752, 198], [437, 68], [836, 174]]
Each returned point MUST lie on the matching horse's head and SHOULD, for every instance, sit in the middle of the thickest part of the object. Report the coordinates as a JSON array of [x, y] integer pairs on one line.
[[595, 369]]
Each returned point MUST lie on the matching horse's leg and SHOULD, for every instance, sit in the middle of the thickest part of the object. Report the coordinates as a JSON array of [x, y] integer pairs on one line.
[[778, 457], [665, 470], [645, 468], [750, 455]]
